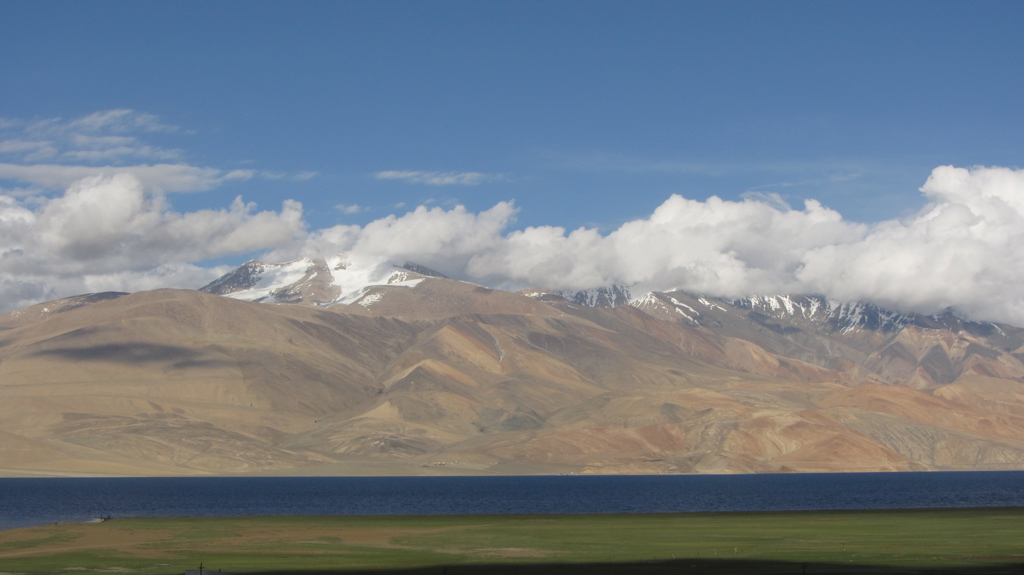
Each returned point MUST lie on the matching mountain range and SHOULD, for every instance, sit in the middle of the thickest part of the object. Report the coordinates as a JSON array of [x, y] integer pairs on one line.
[[367, 367]]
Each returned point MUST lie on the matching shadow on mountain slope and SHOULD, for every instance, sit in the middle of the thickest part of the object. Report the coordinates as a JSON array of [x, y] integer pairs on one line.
[[135, 354]]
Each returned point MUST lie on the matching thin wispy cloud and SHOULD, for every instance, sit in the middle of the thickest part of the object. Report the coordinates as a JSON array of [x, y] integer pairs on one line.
[[17, 146], [121, 120], [350, 209], [109, 136], [29, 151], [54, 153], [437, 178], [274, 175], [163, 177], [777, 201], [831, 178]]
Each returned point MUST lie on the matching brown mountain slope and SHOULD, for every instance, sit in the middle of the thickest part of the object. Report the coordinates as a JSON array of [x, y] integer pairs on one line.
[[447, 377]]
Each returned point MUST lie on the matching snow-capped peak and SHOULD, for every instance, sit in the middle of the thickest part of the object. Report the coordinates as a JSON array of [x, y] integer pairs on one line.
[[342, 278]]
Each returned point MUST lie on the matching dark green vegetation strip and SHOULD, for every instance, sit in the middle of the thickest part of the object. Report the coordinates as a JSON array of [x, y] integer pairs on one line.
[[920, 541]]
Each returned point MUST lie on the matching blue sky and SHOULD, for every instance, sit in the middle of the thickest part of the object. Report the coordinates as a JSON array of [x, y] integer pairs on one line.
[[584, 114]]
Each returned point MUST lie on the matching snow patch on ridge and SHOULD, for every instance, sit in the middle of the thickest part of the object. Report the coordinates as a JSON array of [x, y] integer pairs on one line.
[[711, 305], [846, 317]]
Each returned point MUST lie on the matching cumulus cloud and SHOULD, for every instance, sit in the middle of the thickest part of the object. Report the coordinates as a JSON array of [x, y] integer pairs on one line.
[[715, 246], [110, 232], [436, 178], [964, 250], [446, 239], [726, 248]]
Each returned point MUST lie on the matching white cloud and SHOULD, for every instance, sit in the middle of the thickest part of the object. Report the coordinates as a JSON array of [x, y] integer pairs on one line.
[[429, 236], [110, 231], [964, 250], [718, 247], [107, 224], [727, 248], [436, 178]]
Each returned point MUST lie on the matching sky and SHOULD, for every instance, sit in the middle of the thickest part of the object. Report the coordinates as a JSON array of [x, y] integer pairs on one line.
[[861, 150]]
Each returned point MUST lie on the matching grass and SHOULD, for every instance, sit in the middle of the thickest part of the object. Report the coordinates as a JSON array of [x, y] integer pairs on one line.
[[914, 541]]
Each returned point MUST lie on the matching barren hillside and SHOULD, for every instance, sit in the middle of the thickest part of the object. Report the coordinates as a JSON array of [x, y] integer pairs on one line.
[[439, 376]]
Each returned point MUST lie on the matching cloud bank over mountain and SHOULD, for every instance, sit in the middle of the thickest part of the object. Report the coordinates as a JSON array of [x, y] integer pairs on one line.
[[108, 233], [964, 249]]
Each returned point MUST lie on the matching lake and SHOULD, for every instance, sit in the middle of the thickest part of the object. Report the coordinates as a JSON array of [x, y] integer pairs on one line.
[[37, 501]]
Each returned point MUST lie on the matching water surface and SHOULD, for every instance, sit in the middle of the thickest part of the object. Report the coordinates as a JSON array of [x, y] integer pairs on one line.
[[37, 501]]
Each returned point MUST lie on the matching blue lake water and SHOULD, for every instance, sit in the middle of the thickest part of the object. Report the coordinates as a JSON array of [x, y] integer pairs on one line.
[[37, 501]]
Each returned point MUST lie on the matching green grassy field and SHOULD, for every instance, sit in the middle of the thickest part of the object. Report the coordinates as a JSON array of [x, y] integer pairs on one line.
[[926, 541]]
